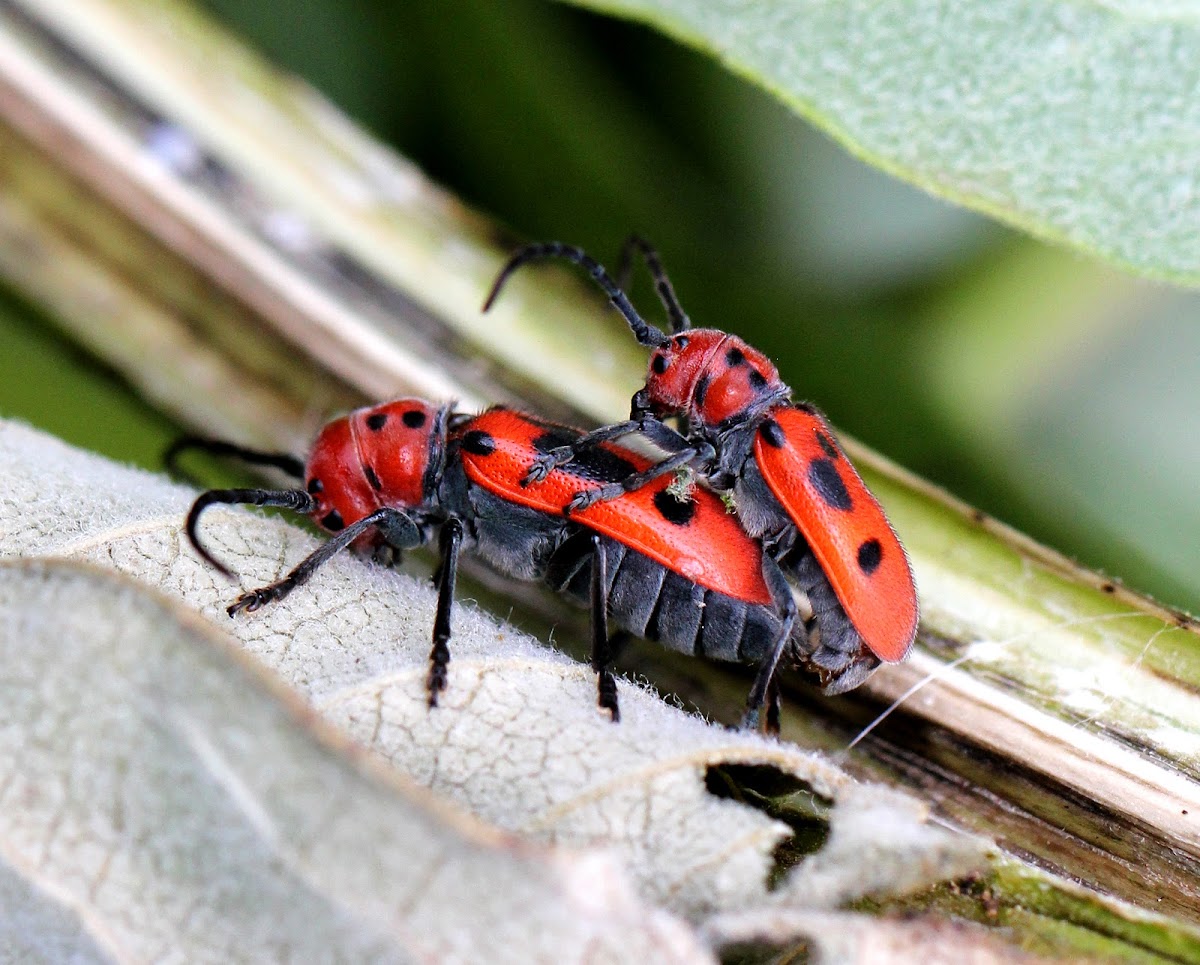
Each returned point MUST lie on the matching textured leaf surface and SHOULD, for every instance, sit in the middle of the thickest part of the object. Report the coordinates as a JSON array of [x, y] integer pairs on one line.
[[518, 739], [1076, 121], [161, 798]]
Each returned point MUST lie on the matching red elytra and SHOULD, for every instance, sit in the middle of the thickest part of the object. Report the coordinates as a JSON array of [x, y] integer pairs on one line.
[[711, 549], [856, 545], [793, 485], [677, 570]]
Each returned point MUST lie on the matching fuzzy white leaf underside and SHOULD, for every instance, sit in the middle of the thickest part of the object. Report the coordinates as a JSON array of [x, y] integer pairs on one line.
[[517, 739]]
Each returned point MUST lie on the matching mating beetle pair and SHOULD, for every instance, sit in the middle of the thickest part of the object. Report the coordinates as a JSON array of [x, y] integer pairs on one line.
[[603, 525]]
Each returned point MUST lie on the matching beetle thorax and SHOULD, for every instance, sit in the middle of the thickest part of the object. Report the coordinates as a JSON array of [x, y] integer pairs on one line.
[[710, 376], [374, 457], [676, 368]]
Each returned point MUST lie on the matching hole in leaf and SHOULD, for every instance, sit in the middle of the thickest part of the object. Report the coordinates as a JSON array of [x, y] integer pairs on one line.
[[781, 796]]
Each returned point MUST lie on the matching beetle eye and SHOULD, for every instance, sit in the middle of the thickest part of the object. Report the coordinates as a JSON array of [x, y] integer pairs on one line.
[[658, 364]]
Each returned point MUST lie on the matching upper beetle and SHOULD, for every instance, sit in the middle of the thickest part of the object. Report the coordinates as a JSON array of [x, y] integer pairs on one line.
[[793, 485]]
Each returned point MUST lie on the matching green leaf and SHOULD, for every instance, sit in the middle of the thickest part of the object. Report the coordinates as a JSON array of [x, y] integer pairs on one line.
[[1077, 122]]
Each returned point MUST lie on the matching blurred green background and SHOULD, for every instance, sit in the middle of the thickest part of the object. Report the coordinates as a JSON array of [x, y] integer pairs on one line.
[[1054, 392]]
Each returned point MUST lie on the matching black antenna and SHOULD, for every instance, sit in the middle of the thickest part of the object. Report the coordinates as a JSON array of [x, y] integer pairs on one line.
[[280, 460], [643, 331], [296, 499], [662, 284]]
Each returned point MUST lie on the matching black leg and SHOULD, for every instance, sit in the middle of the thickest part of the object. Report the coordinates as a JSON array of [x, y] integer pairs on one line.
[[702, 453], [764, 681], [400, 532], [561, 455], [659, 433], [439, 656], [773, 707], [296, 499], [668, 440], [388, 520], [601, 649]]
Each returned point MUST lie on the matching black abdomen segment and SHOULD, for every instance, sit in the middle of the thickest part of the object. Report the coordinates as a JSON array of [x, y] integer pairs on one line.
[[836, 652], [842, 651], [652, 602]]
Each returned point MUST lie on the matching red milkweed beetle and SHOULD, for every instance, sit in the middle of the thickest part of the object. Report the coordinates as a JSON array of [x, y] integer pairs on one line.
[[677, 570], [792, 484]]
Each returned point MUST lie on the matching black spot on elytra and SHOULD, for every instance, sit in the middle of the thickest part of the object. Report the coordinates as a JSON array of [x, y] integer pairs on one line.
[[678, 512], [414, 418], [377, 421], [870, 555], [594, 463], [315, 485], [772, 434], [827, 444], [479, 443], [554, 438], [823, 475], [735, 356], [600, 465], [372, 478], [658, 364], [333, 521], [757, 379], [702, 389]]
